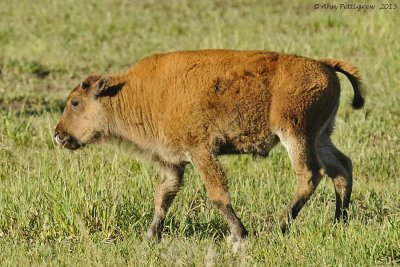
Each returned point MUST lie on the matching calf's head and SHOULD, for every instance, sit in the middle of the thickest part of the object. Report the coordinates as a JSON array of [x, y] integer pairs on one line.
[[84, 119]]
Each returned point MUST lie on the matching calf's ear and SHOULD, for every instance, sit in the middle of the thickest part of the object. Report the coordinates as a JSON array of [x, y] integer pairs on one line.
[[101, 86], [91, 79], [107, 86]]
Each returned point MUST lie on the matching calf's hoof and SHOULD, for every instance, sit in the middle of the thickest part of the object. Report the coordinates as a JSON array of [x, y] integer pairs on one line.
[[153, 236], [237, 239], [237, 242], [153, 233], [284, 227]]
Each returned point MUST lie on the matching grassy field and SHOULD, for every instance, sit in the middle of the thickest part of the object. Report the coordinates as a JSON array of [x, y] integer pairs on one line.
[[92, 207]]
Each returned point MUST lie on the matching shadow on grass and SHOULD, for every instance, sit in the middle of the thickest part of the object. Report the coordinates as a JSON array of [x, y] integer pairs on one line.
[[215, 228], [130, 218]]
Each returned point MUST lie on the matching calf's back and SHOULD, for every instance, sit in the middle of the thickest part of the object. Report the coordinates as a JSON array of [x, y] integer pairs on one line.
[[230, 101]]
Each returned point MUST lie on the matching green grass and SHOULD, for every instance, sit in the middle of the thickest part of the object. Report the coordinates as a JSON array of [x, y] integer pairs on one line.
[[92, 207]]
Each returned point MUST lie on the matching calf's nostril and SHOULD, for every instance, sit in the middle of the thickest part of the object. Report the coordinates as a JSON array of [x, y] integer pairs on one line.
[[58, 140]]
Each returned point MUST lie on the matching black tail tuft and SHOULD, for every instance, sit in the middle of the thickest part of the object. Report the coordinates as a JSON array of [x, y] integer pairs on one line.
[[358, 102], [358, 99]]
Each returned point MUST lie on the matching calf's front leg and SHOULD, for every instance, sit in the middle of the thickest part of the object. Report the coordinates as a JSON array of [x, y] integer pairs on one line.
[[170, 181], [217, 189]]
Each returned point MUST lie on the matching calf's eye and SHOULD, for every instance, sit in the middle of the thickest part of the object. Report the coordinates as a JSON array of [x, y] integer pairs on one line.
[[74, 103]]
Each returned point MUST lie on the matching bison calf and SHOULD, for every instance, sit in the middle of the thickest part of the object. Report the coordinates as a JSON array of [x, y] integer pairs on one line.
[[189, 107]]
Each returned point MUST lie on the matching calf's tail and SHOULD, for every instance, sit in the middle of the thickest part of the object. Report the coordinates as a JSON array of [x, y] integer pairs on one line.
[[352, 74]]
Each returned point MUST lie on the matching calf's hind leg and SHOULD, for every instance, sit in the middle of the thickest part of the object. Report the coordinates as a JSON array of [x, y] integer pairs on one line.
[[170, 181], [338, 167], [309, 171]]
